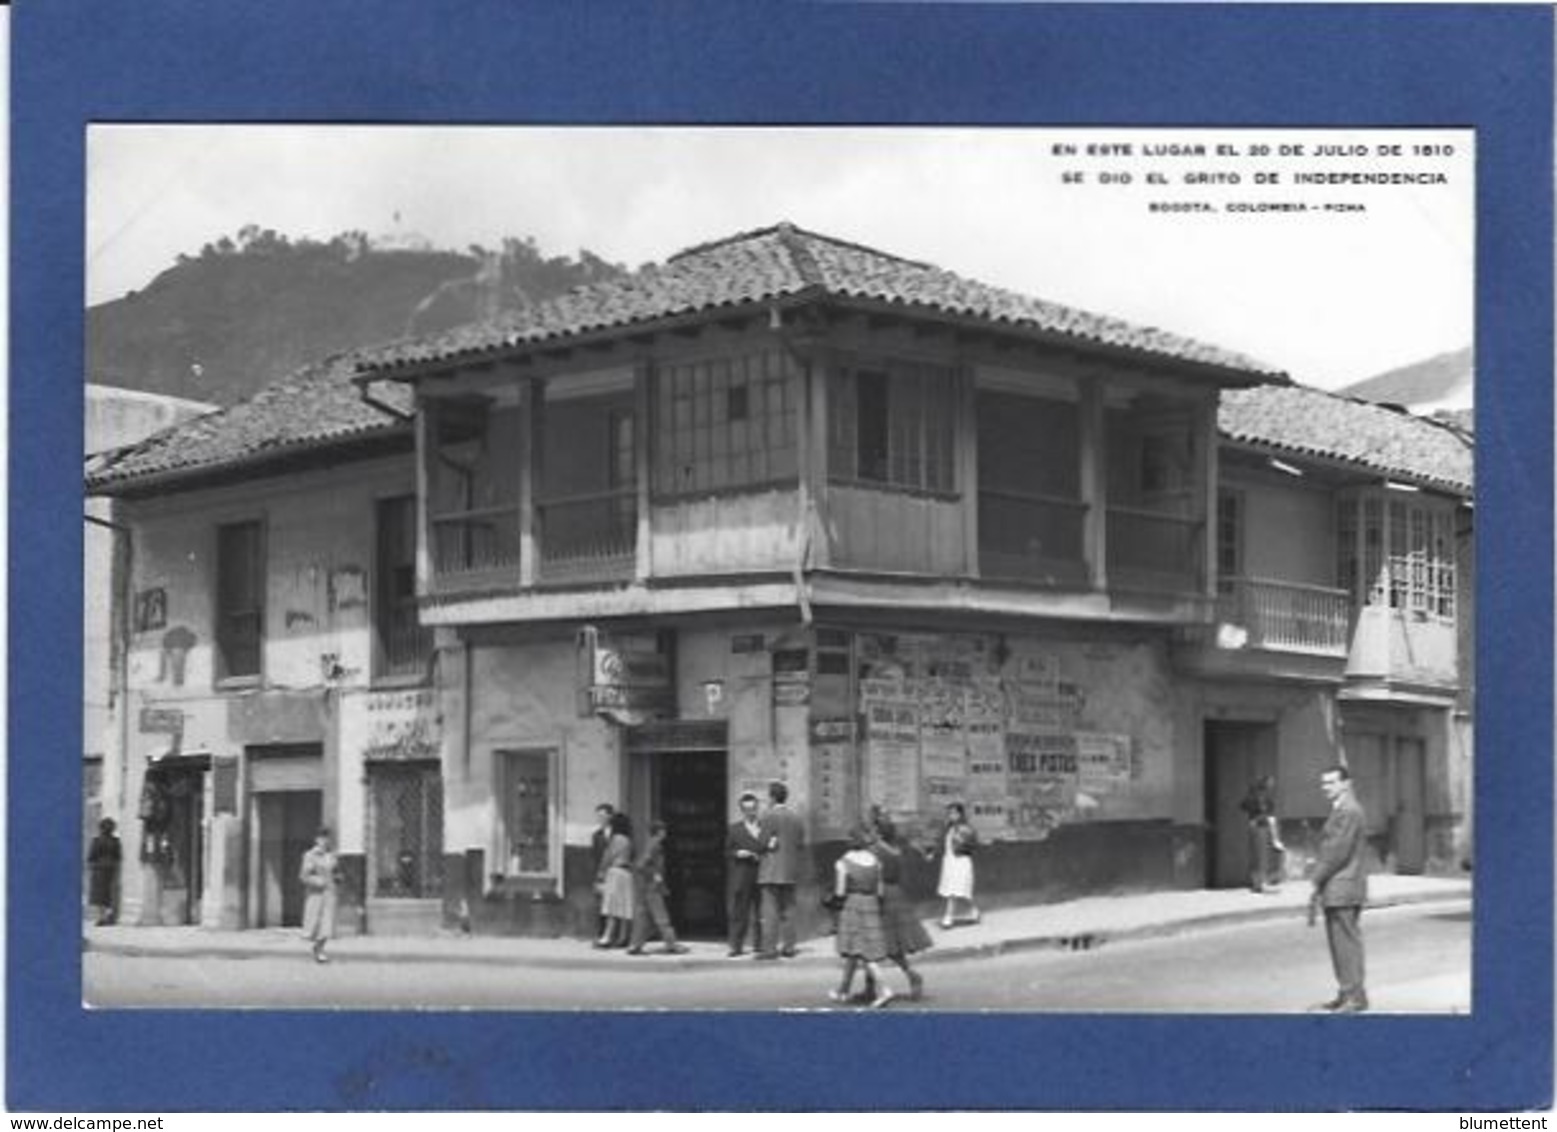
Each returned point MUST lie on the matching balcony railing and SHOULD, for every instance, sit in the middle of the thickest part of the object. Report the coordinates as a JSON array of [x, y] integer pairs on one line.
[[1287, 616], [470, 548], [591, 536], [1031, 538], [404, 643], [1154, 550]]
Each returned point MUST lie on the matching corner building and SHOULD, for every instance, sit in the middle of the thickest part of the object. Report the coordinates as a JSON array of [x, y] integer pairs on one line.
[[790, 508]]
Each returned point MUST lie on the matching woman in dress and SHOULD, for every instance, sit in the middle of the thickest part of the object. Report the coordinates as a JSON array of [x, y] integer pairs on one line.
[[957, 867], [903, 933], [857, 882], [319, 875], [615, 882]]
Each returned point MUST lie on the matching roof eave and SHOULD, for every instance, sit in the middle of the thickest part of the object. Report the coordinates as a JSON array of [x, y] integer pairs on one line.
[[1361, 468], [188, 477]]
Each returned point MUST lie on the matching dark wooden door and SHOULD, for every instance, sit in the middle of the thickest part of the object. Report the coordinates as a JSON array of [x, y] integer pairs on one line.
[[689, 795]]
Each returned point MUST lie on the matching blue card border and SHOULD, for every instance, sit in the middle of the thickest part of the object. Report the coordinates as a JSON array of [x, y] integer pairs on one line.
[[1486, 67]]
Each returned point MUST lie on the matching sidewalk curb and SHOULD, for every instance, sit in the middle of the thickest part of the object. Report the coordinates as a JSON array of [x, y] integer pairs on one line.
[[940, 953]]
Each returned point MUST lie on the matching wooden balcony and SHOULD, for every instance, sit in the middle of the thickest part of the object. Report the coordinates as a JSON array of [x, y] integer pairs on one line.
[[1154, 550], [1025, 537], [1287, 616], [588, 537]]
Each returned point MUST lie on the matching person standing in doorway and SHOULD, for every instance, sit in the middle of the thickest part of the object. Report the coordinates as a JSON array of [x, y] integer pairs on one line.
[[649, 895], [103, 860], [956, 881], [1341, 889], [1265, 847], [783, 843], [598, 840], [743, 850], [320, 876]]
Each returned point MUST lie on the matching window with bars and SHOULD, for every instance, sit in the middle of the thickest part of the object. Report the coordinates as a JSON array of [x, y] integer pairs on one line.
[[894, 425], [527, 809], [240, 600], [402, 641], [405, 831], [726, 423]]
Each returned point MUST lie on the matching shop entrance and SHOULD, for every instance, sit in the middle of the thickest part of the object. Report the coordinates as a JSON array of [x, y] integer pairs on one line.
[[679, 776], [1236, 755], [286, 806], [172, 829]]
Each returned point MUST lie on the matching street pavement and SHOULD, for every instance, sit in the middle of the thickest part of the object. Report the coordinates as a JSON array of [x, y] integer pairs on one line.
[[1419, 961], [1072, 925]]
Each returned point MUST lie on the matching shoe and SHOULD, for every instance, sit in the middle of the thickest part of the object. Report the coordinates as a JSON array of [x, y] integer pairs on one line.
[[1335, 1003], [634, 951], [1356, 1004], [790, 952], [915, 985], [839, 996], [882, 999], [601, 945], [736, 953], [947, 925], [676, 949], [321, 957]]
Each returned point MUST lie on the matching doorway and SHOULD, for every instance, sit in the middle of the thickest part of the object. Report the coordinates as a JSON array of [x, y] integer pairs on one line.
[[1236, 756], [287, 821], [1388, 777], [679, 775], [286, 809], [181, 844]]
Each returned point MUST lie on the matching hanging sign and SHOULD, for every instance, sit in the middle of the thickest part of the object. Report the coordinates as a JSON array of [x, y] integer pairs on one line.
[[629, 684]]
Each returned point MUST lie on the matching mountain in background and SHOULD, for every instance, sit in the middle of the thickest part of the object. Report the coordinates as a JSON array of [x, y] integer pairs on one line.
[[246, 310], [1440, 385]]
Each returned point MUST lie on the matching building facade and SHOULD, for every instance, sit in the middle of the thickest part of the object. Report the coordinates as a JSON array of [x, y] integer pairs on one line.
[[781, 509]]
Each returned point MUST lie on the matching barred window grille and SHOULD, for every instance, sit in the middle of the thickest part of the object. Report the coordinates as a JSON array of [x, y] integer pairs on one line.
[[406, 832]]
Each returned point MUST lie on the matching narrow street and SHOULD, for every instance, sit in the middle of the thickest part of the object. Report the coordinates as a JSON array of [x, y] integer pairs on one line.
[[1419, 960]]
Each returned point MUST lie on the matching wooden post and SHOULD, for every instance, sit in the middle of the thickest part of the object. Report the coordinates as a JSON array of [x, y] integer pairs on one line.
[[426, 433], [812, 451], [1205, 423], [1094, 479], [532, 401], [643, 436], [967, 458]]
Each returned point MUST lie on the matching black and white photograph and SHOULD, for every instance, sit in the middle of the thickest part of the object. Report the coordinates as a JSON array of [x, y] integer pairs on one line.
[[839, 569]]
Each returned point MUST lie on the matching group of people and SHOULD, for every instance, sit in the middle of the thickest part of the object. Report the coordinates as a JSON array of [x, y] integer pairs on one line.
[[630, 884]]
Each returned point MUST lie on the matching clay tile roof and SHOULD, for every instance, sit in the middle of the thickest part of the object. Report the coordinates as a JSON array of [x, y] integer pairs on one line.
[[316, 406], [1311, 422], [786, 262]]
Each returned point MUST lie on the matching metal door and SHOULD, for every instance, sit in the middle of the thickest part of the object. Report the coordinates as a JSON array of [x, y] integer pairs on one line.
[[405, 831]]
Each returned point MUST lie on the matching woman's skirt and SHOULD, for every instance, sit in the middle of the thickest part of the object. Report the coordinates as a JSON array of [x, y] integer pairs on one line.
[[859, 928], [956, 877], [100, 890], [901, 930], [616, 898], [319, 915]]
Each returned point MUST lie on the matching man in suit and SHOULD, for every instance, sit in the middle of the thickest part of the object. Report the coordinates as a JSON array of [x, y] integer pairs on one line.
[[1341, 889], [783, 843], [743, 849]]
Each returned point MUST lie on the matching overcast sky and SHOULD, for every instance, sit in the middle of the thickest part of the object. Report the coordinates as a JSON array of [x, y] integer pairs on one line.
[[1331, 297]]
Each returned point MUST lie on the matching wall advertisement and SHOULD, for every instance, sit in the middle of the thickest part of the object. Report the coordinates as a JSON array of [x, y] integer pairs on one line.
[[1027, 736]]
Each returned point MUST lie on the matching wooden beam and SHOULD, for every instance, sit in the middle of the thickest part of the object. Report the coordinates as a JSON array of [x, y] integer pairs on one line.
[[424, 435], [1205, 437], [1094, 483], [643, 434], [532, 408], [815, 376], [966, 453]]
